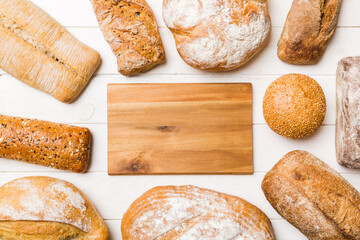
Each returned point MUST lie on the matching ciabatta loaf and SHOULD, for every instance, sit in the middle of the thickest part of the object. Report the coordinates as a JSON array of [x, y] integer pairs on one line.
[[45, 143], [308, 27], [313, 197], [37, 50], [130, 27], [188, 212], [44, 208], [347, 112], [217, 35]]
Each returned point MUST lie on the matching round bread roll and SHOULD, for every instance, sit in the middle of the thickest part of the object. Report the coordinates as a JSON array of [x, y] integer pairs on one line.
[[294, 106], [217, 35], [44, 208], [188, 212]]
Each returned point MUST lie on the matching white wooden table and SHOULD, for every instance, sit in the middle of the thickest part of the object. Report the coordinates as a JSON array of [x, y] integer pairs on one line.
[[113, 195]]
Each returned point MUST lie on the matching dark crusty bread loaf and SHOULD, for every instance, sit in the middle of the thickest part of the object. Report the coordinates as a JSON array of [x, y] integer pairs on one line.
[[347, 112], [45, 143], [130, 27], [308, 27], [313, 197]]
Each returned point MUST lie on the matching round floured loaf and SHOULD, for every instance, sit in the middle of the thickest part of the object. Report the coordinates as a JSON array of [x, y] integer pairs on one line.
[[188, 212], [217, 35], [47, 208]]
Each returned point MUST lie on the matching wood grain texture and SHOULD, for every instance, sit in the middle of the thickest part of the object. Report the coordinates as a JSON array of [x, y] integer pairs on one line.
[[180, 129]]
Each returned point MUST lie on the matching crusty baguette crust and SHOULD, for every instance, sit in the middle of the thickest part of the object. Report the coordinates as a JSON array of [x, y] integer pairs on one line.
[[44, 208], [37, 50], [45, 143], [308, 27], [130, 28], [347, 112], [188, 212], [313, 197]]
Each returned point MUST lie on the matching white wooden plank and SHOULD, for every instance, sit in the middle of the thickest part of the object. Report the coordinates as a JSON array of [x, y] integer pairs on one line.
[[20, 100], [80, 13]]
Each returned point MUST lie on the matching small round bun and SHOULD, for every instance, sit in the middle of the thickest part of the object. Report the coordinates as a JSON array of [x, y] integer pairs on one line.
[[294, 106]]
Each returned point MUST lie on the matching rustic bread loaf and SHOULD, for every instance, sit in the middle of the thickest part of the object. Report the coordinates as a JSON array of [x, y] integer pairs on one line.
[[308, 27], [37, 50], [188, 212], [313, 197], [294, 106], [217, 35], [45, 143], [347, 112], [44, 208], [130, 27]]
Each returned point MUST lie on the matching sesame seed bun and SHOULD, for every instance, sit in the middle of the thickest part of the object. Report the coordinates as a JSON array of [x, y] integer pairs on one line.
[[294, 106]]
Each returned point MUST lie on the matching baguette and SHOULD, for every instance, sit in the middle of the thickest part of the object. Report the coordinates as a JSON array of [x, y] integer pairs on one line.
[[347, 112], [45, 143], [44, 208], [313, 197], [37, 50], [130, 28], [188, 212], [308, 27]]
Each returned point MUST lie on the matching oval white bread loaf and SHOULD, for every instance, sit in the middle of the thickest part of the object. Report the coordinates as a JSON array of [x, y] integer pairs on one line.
[[36, 208], [313, 197], [188, 212], [37, 50], [217, 35]]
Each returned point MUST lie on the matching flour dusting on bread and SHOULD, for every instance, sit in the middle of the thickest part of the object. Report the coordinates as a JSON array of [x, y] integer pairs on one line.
[[188, 212], [54, 201], [217, 34]]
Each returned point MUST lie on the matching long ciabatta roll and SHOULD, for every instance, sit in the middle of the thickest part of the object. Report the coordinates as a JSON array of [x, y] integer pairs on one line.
[[130, 28], [347, 133], [37, 50], [313, 197], [45, 143], [44, 208], [188, 212]]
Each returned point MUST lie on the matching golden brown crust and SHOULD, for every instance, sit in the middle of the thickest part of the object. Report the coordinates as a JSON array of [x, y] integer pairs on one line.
[[313, 197], [34, 208], [308, 27], [188, 212], [294, 106], [45, 143], [37, 50], [130, 27]]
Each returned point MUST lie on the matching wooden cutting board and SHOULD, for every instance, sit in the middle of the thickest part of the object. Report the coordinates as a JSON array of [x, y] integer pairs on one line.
[[180, 129]]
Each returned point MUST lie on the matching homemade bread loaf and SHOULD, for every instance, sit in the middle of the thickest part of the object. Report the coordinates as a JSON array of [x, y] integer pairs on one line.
[[294, 106], [313, 197], [217, 35], [45, 143], [188, 212], [308, 27], [44, 208], [130, 27], [37, 50], [347, 112]]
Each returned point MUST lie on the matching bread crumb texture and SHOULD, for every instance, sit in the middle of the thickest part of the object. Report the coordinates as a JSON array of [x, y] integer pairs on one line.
[[217, 35], [294, 106], [42, 202], [188, 212]]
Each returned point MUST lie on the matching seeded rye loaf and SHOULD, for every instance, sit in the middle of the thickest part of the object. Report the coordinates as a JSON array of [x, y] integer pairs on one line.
[[37, 50], [130, 28], [45, 143], [313, 197], [347, 112], [308, 27]]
